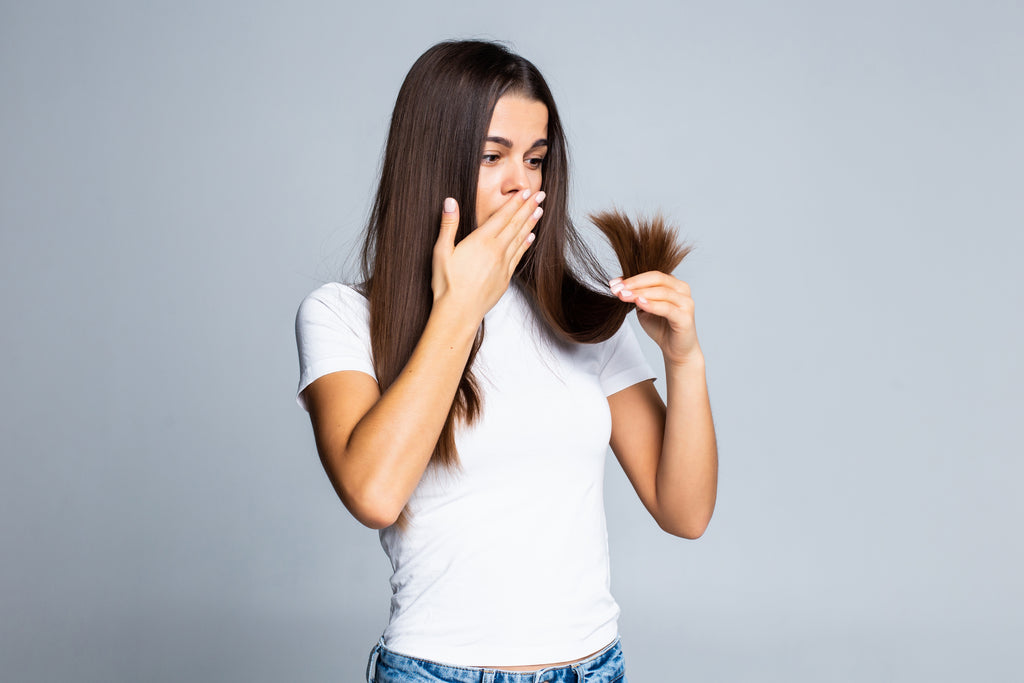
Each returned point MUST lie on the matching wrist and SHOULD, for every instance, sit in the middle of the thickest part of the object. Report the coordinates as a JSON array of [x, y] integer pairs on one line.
[[454, 320], [691, 362]]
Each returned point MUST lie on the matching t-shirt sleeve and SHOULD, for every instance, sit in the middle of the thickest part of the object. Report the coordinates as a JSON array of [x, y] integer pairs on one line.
[[624, 363], [332, 333]]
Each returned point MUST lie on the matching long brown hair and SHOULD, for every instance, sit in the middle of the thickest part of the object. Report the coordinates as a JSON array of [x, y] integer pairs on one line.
[[438, 127]]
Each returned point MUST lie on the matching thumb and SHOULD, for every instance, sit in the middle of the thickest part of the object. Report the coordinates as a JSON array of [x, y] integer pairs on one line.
[[449, 224]]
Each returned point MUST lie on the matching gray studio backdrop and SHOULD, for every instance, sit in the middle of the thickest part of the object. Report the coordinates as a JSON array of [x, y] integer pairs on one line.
[[175, 177]]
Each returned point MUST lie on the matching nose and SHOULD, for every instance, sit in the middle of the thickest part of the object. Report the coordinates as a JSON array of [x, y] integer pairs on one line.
[[515, 180]]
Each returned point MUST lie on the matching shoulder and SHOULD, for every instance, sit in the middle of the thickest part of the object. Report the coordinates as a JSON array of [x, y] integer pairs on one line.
[[332, 332], [337, 295], [622, 361], [331, 301]]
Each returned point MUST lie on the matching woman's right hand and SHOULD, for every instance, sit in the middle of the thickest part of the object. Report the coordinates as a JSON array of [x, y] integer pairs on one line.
[[375, 447], [476, 272]]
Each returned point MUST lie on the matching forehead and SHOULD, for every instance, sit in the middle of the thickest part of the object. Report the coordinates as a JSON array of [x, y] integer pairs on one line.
[[514, 113]]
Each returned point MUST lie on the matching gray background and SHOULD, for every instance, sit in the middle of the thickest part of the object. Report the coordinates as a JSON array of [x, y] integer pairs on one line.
[[174, 177]]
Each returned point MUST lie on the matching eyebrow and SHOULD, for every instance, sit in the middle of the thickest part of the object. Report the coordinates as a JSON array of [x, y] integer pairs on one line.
[[505, 142]]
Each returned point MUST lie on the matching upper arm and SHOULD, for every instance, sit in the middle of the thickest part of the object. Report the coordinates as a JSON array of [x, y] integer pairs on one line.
[[638, 429], [337, 402], [336, 384]]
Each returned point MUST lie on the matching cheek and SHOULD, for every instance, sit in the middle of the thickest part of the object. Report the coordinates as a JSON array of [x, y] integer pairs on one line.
[[534, 177], [488, 197]]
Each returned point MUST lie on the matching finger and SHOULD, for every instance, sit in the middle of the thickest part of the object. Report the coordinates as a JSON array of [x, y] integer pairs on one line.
[[500, 218], [651, 278], [665, 309], [524, 244], [525, 230], [666, 294], [658, 308], [449, 225], [524, 219]]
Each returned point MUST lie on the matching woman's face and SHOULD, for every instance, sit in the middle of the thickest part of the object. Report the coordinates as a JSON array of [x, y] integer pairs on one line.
[[513, 151]]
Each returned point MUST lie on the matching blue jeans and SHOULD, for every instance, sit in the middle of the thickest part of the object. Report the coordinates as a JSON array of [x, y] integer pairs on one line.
[[385, 666]]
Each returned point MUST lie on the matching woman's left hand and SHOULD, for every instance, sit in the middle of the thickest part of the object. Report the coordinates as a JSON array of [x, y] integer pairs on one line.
[[665, 311]]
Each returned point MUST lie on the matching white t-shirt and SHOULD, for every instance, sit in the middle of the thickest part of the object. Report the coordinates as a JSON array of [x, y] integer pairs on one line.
[[505, 559]]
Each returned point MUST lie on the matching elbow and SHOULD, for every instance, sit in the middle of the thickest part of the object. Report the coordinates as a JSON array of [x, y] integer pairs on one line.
[[371, 509], [688, 527], [374, 520], [374, 504], [685, 516], [690, 532]]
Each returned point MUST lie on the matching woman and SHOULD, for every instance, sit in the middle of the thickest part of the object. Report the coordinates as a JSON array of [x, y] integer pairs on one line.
[[463, 398]]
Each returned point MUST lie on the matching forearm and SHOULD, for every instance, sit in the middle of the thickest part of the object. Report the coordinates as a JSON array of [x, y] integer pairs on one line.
[[390, 447], [687, 475]]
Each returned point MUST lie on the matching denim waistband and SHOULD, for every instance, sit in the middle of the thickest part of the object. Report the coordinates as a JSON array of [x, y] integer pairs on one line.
[[605, 666]]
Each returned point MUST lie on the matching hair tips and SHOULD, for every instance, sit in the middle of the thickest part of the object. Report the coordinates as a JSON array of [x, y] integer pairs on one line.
[[642, 245]]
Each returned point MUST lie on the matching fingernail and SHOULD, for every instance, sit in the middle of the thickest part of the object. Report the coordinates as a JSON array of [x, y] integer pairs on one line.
[[526, 194], [617, 287], [530, 238], [540, 197], [538, 212], [615, 281], [449, 205], [626, 292], [641, 300]]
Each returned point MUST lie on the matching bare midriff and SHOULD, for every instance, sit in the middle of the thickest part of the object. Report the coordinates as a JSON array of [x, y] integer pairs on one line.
[[537, 667]]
